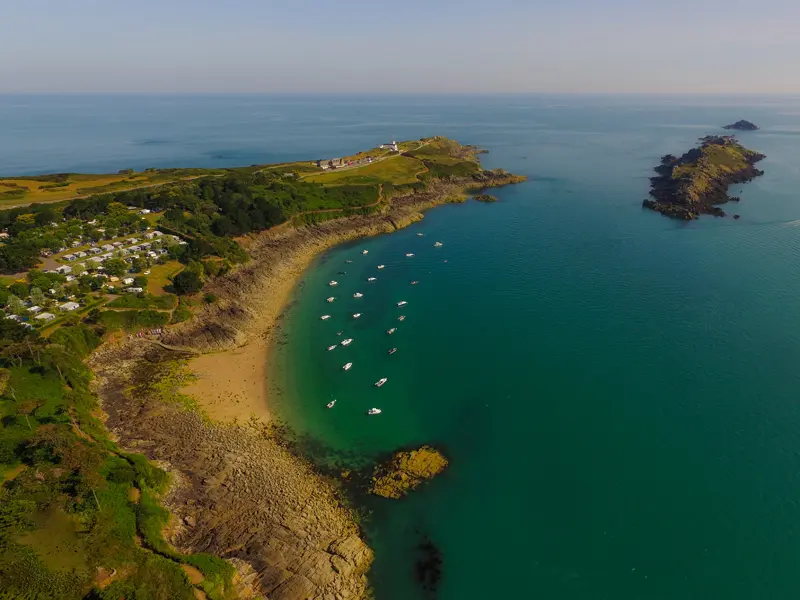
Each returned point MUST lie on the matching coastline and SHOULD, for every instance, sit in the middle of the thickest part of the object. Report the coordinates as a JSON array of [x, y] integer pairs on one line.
[[246, 498]]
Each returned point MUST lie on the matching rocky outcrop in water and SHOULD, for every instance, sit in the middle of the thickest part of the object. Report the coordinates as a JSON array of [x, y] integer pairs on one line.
[[697, 182], [405, 471], [485, 198], [742, 126]]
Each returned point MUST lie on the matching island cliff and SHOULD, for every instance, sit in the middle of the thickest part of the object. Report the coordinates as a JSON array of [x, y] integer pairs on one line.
[[742, 126], [697, 182]]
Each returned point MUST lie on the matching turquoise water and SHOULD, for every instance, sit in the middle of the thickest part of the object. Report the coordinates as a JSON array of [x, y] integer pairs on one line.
[[617, 391]]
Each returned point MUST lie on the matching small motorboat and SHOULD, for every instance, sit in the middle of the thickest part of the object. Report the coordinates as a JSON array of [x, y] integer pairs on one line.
[[331, 299], [357, 315], [339, 332], [333, 283], [372, 279], [414, 282], [381, 381], [325, 317], [347, 342], [342, 272], [420, 234], [391, 331], [332, 347], [374, 411], [365, 252], [393, 350], [381, 266], [409, 254], [438, 245], [331, 404], [402, 303], [348, 261], [358, 295], [347, 366], [445, 260], [401, 318]]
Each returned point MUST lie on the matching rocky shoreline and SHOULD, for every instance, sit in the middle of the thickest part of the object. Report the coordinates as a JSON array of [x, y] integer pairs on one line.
[[697, 182], [241, 494]]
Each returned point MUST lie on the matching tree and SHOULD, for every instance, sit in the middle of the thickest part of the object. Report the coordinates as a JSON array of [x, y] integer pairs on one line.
[[15, 305], [187, 282], [78, 269], [116, 267], [37, 296]]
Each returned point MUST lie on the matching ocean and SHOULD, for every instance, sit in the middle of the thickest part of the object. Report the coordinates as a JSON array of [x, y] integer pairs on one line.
[[616, 391]]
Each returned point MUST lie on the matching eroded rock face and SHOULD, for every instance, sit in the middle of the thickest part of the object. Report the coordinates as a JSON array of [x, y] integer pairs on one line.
[[239, 494], [405, 471]]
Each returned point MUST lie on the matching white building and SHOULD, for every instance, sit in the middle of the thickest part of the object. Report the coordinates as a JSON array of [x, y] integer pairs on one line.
[[393, 146]]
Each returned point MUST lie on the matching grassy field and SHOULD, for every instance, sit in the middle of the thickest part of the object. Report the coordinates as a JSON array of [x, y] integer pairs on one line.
[[53, 188], [160, 276], [396, 169]]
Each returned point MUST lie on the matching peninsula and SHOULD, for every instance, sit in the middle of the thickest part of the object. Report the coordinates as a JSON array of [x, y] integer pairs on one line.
[[742, 126], [697, 182], [137, 452]]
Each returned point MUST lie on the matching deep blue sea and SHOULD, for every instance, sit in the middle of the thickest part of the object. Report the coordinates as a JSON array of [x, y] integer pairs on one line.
[[619, 393]]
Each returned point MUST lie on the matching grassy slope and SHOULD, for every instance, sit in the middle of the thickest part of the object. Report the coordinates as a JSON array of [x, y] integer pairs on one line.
[[697, 174], [396, 169]]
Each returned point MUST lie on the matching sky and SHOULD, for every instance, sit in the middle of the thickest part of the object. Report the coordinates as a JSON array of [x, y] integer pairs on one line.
[[400, 46]]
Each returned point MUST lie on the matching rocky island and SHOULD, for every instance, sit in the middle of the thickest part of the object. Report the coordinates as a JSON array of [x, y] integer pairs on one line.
[[406, 471], [697, 182], [742, 126]]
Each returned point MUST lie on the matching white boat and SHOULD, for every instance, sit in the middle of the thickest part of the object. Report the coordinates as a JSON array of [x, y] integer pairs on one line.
[[438, 245], [402, 303], [372, 279], [347, 342], [348, 261], [409, 254], [391, 331], [393, 350], [332, 347], [357, 315], [358, 295], [331, 404], [374, 411], [347, 366], [331, 299], [365, 252], [325, 317], [401, 318], [420, 234], [381, 266], [333, 283], [414, 282], [381, 381]]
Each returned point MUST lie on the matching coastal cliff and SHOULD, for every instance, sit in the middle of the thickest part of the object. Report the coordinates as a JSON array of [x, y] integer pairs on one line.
[[697, 182], [239, 493]]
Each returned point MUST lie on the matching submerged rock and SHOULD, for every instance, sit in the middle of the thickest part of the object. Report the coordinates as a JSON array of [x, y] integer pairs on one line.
[[405, 471], [485, 198], [428, 566]]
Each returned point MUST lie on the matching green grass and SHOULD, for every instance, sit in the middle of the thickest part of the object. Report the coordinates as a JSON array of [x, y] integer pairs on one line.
[[396, 170], [130, 320], [166, 302]]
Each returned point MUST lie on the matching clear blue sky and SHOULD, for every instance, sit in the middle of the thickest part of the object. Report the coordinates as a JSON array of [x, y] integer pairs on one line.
[[400, 45]]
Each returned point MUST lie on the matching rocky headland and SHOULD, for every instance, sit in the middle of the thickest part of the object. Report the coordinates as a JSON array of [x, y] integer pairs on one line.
[[697, 182], [742, 126], [405, 471], [238, 492]]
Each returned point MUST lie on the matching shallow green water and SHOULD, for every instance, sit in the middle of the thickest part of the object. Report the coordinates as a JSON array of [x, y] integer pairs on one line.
[[618, 392]]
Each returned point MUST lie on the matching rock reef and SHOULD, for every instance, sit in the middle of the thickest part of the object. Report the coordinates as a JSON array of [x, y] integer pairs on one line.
[[405, 471], [697, 182], [742, 126], [485, 198]]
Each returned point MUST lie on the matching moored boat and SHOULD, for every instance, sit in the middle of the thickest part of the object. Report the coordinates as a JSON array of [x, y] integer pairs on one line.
[[393, 350], [374, 411], [381, 381], [401, 318], [358, 295], [357, 315], [381, 266], [414, 282], [409, 254], [420, 234], [402, 303], [347, 342], [331, 404], [365, 252], [332, 347], [391, 331], [325, 317], [331, 299], [347, 366], [372, 279], [438, 245], [333, 283]]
